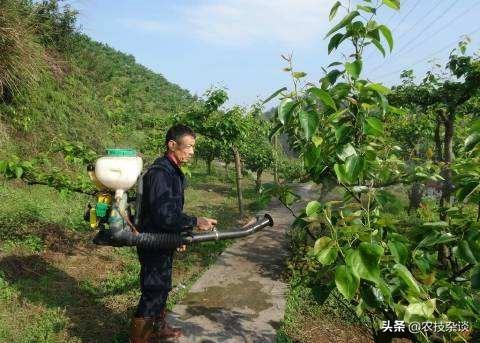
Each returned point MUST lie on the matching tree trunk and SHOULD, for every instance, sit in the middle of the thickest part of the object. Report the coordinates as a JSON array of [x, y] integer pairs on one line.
[[444, 251], [238, 179], [242, 167], [438, 141], [209, 167], [447, 171], [275, 162], [415, 196], [258, 181]]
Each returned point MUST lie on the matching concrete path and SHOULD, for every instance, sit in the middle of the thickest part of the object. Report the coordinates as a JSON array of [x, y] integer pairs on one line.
[[241, 298]]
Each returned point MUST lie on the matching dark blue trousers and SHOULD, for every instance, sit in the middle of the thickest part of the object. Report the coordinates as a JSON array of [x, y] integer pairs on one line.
[[155, 284]]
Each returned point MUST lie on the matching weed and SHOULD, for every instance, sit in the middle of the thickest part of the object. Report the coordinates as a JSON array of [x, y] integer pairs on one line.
[[7, 292], [30, 244]]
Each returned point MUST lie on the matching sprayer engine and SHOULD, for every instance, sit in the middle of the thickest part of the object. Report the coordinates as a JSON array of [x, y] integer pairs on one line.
[[114, 216], [97, 215]]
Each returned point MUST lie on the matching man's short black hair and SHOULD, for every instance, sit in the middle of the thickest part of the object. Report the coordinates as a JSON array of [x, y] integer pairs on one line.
[[176, 132]]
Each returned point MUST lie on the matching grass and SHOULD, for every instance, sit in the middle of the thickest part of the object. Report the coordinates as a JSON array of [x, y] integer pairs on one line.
[[56, 286], [318, 315]]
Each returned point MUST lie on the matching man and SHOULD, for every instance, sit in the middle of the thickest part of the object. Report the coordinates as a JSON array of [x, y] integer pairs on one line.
[[162, 206]]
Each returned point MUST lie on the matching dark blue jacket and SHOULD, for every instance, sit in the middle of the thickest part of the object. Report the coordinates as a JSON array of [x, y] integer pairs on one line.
[[162, 204]]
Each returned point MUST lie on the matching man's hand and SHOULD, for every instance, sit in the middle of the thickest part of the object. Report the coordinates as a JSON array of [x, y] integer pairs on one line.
[[182, 248], [205, 224]]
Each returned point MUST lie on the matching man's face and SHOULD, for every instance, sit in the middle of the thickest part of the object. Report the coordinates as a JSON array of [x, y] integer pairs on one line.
[[184, 149]]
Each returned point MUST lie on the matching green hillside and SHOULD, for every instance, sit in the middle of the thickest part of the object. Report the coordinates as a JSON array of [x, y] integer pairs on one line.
[[60, 88]]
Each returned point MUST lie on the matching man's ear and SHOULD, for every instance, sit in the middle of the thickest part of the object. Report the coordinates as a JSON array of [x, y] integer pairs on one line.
[[172, 145]]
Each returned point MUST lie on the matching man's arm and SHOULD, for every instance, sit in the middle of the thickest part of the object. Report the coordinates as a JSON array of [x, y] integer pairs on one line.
[[164, 205]]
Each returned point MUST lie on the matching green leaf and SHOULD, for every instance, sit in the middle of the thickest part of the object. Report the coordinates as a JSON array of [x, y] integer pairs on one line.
[[460, 314], [285, 110], [340, 173], [354, 68], [324, 96], [18, 172], [368, 9], [288, 197], [383, 102], [399, 251], [466, 190], [353, 167], [476, 278], [335, 41], [325, 250], [379, 46], [396, 110], [344, 22], [435, 238], [334, 64], [334, 10], [420, 311], [472, 141], [373, 127], [372, 31], [313, 208], [317, 140], [365, 261], [309, 123], [387, 34], [395, 4], [347, 282], [311, 156], [332, 76], [299, 74], [275, 129], [379, 88], [371, 296], [407, 277], [386, 292], [475, 126], [348, 150], [465, 253], [3, 166], [274, 95]]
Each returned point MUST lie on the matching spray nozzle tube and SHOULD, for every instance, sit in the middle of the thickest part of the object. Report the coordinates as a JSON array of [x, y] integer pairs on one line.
[[119, 236]]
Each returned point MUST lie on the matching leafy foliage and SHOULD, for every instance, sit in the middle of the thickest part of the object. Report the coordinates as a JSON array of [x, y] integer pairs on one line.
[[349, 134]]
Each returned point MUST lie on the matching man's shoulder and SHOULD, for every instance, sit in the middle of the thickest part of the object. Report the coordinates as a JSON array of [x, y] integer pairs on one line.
[[159, 169], [161, 164]]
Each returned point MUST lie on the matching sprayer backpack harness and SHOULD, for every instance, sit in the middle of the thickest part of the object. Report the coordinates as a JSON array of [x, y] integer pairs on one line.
[[116, 173], [137, 222]]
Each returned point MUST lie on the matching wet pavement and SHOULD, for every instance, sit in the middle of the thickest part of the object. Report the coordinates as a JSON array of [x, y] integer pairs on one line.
[[241, 298]]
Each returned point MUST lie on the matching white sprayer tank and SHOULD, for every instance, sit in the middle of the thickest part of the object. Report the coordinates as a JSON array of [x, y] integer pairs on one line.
[[119, 170]]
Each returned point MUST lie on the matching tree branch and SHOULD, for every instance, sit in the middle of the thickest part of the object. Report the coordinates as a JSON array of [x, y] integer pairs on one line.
[[72, 189], [351, 193], [460, 272]]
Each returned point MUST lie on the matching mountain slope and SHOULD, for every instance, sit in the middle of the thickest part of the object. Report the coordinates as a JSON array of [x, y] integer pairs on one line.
[[72, 91]]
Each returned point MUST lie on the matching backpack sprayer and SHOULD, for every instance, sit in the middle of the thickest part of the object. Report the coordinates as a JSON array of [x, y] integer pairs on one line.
[[116, 217]]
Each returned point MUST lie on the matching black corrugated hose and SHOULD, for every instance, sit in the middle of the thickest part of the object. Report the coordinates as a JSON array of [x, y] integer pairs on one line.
[[119, 236]]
